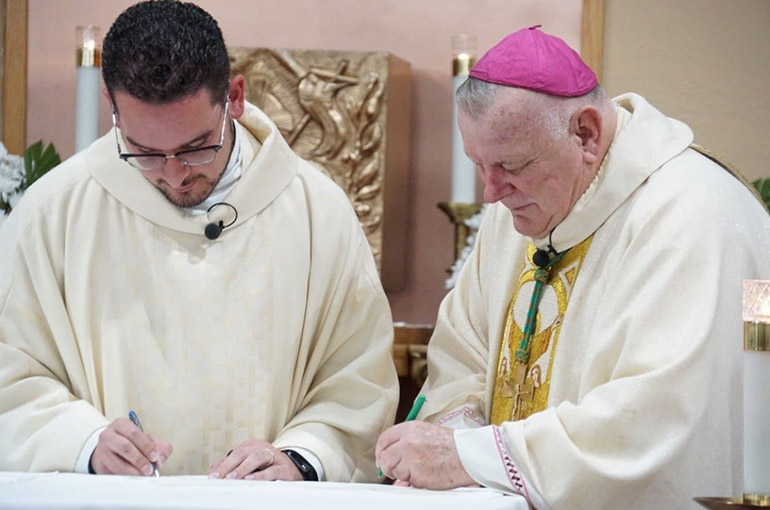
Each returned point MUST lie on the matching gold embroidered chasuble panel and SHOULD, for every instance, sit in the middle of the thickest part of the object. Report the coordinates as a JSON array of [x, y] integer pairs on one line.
[[511, 399]]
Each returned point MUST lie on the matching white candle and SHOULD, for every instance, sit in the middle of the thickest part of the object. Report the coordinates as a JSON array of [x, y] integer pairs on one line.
[[463, 170], [87, 92], [756, 391]]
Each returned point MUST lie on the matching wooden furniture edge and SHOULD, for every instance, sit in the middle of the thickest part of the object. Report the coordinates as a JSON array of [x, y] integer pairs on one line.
[[15, 75]]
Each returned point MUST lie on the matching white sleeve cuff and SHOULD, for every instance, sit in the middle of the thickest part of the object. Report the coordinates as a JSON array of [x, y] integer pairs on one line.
[[84, 458], [313, 460], [463, 417], [486, 458]]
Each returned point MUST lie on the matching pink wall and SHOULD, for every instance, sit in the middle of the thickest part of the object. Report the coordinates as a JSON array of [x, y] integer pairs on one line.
[[419, 31]]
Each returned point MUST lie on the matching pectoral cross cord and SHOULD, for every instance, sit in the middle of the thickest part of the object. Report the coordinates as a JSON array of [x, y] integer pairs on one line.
[[523, 391]]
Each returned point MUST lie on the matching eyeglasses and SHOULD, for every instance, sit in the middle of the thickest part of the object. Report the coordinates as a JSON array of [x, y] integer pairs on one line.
[[189, 157]]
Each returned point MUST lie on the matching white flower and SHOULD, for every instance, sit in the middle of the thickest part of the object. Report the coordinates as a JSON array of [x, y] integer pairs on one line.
[[11, 176], [474, 222], [13, 198]]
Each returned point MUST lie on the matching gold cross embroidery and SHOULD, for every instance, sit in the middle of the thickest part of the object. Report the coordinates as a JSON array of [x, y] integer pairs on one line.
[[517, 394], [522, 395]]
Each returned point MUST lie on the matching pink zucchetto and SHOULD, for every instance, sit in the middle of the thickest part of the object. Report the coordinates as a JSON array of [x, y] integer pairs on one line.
[[536, 61]]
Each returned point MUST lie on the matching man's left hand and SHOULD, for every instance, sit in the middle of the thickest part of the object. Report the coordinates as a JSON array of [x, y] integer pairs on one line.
[[422, 455], [255, 460]]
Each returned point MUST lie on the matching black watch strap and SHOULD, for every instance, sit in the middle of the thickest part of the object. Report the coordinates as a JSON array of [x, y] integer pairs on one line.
[[305, 468]]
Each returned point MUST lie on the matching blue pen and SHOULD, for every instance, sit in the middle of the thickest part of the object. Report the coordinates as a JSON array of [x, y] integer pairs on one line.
[[135, 420]]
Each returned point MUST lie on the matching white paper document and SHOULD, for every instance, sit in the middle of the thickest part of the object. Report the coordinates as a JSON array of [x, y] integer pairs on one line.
[[76, 491]]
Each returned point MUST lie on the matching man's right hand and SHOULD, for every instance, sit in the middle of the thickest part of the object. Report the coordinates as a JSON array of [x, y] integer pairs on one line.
[[123, 449]]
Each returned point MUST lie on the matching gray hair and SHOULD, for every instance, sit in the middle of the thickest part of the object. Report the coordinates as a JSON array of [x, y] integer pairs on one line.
[[475, 97]]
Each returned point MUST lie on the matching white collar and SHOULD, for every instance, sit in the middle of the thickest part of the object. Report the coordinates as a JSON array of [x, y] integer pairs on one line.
[[645, 139], [226, 183]]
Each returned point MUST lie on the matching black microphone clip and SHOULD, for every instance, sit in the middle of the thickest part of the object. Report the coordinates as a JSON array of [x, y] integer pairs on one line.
[[542, 257], [213, 230]]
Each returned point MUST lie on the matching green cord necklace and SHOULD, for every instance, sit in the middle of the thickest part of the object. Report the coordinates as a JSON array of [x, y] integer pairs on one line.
[[541, 277]]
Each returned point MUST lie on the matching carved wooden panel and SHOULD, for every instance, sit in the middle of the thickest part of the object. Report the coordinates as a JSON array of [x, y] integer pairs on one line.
[[348, 113]]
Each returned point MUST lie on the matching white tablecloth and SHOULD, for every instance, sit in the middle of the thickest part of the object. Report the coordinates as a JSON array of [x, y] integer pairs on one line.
[[70, 491]]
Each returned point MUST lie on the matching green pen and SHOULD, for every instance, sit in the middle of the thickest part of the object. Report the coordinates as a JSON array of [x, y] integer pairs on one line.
[[418, 402]]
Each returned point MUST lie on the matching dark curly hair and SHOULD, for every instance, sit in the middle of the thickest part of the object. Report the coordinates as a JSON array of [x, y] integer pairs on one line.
[[161, 50]]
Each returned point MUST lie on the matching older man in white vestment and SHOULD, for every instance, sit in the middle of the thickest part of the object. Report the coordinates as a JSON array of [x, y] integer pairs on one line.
[[190, 267], [589, 356]]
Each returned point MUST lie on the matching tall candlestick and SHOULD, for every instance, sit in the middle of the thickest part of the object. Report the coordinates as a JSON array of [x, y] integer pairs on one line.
[[756, 392], [89, 60], [463, 170]]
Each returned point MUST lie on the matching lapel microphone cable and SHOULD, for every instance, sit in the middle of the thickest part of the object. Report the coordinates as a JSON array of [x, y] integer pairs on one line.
[[542, 257], [213, 230]]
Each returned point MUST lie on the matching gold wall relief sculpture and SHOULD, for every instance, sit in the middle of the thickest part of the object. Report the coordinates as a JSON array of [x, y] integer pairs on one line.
[[348, 113]]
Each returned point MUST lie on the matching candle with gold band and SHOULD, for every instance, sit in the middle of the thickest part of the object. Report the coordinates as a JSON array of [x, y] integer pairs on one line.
[[463, 170], [756, 392], [88, 61]]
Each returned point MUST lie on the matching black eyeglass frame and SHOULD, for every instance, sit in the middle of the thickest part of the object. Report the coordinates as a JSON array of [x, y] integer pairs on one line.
[[130, 158]]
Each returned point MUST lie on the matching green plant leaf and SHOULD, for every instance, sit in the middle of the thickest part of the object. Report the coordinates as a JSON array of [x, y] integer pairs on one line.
[[37, 162], [763, 188]]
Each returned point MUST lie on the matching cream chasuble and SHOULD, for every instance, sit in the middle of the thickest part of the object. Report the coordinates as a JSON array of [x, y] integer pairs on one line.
[[636, 360], [112, 299]]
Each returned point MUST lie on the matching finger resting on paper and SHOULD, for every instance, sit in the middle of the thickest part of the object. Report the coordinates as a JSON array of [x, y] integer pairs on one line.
[[275, 472], [253, 462]]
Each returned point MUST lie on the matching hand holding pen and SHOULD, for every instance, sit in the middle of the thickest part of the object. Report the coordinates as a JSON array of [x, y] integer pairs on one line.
[[420, 454], [413, 412], [135, 420], [125, 449]]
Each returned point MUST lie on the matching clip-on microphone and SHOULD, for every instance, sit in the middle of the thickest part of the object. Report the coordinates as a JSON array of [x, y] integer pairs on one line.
[[213, 230], [542, 257]]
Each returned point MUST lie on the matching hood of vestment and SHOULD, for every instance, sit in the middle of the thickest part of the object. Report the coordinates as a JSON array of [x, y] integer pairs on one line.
[[644, 141], [268, 166]]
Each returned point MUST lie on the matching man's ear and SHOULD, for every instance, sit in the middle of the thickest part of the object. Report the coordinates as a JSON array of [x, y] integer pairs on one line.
[[237, 95], [108, 98], [587, 124]]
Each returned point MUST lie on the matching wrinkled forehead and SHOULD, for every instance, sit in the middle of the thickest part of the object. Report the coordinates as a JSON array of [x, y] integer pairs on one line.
[[510, 119], [519, 108]]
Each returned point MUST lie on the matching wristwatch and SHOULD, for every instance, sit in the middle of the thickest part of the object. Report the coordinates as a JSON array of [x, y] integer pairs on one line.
[[305, 468]]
